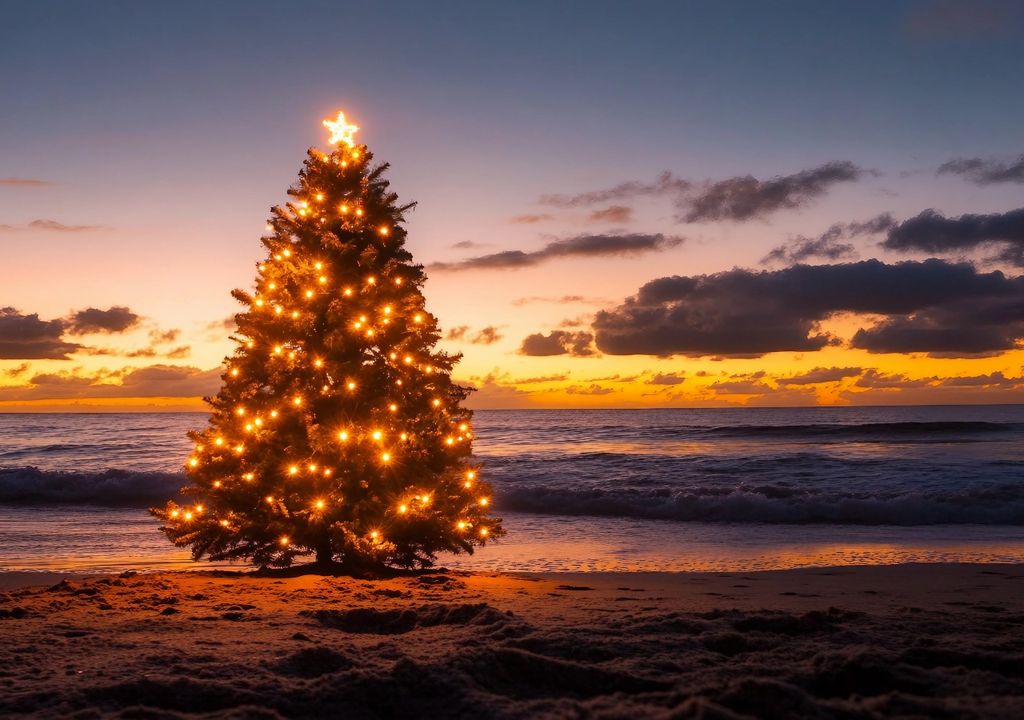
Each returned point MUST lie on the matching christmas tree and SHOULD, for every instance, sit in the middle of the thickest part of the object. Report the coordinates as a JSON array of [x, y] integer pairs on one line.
[[338, 431]]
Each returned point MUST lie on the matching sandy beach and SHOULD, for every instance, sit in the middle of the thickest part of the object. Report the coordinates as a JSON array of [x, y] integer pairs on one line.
[[876, 641]]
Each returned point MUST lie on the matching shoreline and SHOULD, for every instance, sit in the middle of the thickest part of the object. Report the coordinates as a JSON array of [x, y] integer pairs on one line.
[[917, 640]]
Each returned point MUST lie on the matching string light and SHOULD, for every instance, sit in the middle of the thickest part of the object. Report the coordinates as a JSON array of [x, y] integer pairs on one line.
[[193, 462], [484, 502], [347, 292], [384, 230], [461, 525], [385, 457], [483, 532], [284, 540], [403, 509], [377, 435], [351, 385], [293, 470], [320, 504]]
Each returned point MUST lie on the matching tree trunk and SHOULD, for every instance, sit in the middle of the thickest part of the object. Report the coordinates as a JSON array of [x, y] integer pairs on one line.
[[324, 556]]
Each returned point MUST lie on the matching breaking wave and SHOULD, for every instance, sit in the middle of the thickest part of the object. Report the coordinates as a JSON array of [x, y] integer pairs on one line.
[[114, 488]]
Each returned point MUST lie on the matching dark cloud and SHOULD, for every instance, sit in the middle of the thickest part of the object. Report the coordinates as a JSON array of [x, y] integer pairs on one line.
[[887, 381], [541, 379], [152, 381], [992, 380], [558, 342], [26, 337], [667, 379], [520, 220], [747, 198], [613, 214], [93, 320], [179, 353], [930, 306], [664, 184], [745, 386], [24, 182], [159, 337], [580, 246], [831, 244], [592, 389], [933, 232], [821, 375], [985, 172], [485, 336], [17, 370], [457, 333]]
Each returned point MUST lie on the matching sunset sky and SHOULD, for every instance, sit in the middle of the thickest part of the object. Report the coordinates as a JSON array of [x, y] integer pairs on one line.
[[620, 204]]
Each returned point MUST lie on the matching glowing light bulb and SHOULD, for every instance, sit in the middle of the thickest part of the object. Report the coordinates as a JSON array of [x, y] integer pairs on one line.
[[193, 462], [322, 279], [295, 314], [278, 310], [403, 509], [393, 408], [234, 372], [272, 286], [417, 318], [293, 470], [218, 442], [370, 333], [268, 227], [470, 475], [270, 499], [318, 362], [239, 449], [385, 457], [312, 467], [398, 281], [484, 502], [273, 413], [328, 472], [374, 534], [483, 532], [250, 344], [287, 253], [278, 349], [384, 230], [377, 435], [359, 212], [297, 401], [435, 402], [460, 525], [216, 483], [188, 515], [259, 302], [393, 356], [351, 385], [463, 427], [320, 504], [309, 293], [449, 441], [240, 410], [341, 130], [303, 212], [372, 280], [224, 523], [348, 292], [404, 436], [249, 476], [344, 209], [319, 197], [175, 513], [284, 540], [318, 265], [277, 256], [407, 359], [387, 309]]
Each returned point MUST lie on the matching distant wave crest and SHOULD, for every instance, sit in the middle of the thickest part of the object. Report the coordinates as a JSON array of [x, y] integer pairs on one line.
[[893, 431], [997, 504], [120, 488]]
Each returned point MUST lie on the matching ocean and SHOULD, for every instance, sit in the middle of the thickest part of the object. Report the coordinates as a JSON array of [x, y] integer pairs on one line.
[[735, 489]]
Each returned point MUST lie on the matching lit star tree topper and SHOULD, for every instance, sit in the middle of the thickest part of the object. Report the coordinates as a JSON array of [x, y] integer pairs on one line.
[[338, 432]]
